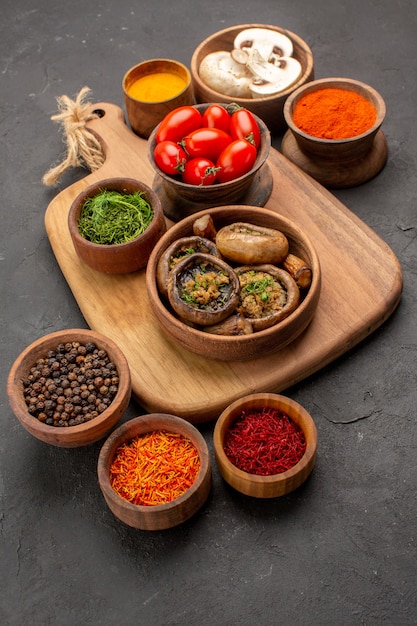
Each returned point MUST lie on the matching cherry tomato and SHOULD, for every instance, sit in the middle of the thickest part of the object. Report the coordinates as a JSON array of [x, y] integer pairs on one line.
[[178, 123], [236, 160], [199, 171], [243, 125], [216, 116], [206, 142], [170, 157]]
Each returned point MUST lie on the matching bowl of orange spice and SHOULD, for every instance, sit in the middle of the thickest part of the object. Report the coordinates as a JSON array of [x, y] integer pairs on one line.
[[154, 471], [334, 131]]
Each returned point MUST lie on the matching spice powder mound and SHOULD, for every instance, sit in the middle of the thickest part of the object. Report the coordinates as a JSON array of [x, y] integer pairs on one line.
[[264, 442], [334, 113], [154, 468]]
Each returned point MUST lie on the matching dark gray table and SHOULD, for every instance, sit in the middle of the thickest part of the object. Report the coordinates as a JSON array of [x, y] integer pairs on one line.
[[341, 549]]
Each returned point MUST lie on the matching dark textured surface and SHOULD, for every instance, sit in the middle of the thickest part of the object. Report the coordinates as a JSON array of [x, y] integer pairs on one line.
[[342, 548]]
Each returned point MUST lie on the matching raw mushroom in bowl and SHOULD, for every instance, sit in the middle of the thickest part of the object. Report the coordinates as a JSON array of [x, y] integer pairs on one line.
[[260, 64]]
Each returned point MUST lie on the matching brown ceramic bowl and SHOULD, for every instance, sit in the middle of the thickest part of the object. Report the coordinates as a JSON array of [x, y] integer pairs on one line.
[[276, 484], [81, 434], [337, 162], [268, 108], [119, 258], [236, 348], [181, 199], [144, 115], [162, 516]]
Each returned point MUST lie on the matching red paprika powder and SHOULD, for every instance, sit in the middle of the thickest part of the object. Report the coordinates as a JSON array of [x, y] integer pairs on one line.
[[334, 113]]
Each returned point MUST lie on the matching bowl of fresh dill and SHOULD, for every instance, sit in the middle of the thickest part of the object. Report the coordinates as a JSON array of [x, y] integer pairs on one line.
[[115, 224]]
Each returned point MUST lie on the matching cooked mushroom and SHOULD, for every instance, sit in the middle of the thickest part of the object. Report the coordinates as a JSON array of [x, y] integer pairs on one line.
[[251, 244], [203, 289], [204, 227], [299, 270], [268, 295], [178, 250], [235, 325]]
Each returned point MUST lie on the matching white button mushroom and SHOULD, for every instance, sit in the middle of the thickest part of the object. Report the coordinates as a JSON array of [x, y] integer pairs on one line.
[[221, 72], [261, 64], [286, 74], [267, 54], [270, 44]]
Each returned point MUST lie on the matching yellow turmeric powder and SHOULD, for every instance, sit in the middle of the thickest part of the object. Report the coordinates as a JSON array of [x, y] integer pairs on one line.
[[157, 87]]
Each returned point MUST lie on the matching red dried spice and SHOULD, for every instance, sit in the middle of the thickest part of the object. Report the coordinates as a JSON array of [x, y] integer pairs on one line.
[[264, 442]]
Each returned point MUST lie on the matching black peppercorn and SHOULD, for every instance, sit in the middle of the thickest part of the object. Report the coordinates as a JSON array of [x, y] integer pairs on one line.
[[72, 384]]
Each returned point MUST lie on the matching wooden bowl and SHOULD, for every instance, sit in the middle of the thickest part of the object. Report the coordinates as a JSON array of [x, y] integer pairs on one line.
[[144, 115], [158, 517], [276, 484], [181, 199], [119, 258], [81, 434], [236, 348], [268, 108], [337, 163]]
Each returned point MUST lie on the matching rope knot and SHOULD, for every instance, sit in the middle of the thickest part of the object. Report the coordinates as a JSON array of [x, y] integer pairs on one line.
[[83, 147]]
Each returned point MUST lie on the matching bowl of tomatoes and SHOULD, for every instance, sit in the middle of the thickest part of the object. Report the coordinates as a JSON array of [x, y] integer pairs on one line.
[[208, 155]]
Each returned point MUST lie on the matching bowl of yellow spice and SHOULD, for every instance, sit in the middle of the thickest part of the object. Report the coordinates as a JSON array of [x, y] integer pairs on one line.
[[152, 89], [114, 225], [334, 131]]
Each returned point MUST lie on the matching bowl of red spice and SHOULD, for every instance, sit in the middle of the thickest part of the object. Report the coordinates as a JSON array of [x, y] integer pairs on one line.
[[70, 388], [335, 131], [154, 471], [114, 225], [265, 445]]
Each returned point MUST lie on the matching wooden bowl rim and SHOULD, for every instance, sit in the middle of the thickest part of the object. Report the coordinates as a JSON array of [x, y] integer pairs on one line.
[[23, 363], [261, 157], [237, 28], [239, 210], [350, 84], [141, 425], [261, 400], [114, 184]]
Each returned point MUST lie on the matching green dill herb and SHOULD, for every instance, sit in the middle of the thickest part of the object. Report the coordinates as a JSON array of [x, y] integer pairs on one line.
[[111, 217], [260, 287]]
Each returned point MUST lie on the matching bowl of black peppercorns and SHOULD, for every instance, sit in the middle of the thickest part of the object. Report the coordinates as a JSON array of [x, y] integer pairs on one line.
[[70, 388]]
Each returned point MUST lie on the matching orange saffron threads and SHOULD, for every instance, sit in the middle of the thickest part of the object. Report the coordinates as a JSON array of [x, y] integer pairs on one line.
[[333, 113], [154, 468]]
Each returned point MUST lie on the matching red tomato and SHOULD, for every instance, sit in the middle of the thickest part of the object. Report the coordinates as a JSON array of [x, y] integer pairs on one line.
[[199, 171], [169, 157], [236, 160], [243, 125], [178, 123], [216, 116], [206, 142]]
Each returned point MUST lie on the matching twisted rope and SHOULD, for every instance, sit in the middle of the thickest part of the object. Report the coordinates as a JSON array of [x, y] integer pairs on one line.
[[83, 148]]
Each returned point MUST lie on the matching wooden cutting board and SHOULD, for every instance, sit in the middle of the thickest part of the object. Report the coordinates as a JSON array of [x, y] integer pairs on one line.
[[361, 287]]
